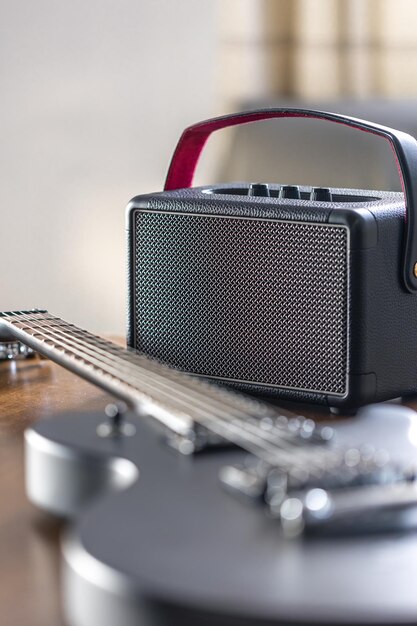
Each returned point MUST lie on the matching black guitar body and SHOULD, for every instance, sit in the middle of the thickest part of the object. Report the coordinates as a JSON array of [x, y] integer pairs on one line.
[[170, 546]]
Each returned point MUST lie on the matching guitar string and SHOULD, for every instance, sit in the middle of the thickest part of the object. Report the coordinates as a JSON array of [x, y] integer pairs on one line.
[[255, 430], [270, 435], [237, 428], [268, 429], [104, 354], [227, 430], [133, 358], [136, 359]]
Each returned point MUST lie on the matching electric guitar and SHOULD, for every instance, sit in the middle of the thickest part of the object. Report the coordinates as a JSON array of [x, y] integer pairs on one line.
[[199, 505]]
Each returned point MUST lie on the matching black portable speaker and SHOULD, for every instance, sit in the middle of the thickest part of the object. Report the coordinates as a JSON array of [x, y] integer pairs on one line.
[[301, 293]]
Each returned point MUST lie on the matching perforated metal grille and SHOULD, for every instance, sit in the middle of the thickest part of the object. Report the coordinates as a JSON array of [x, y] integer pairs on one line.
[[253, 300]]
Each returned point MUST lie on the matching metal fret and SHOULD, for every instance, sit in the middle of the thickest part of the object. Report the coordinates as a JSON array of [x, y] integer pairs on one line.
[[175, 399]]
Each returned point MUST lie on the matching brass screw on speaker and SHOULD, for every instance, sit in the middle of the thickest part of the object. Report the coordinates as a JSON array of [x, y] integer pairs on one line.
[[415, 269]]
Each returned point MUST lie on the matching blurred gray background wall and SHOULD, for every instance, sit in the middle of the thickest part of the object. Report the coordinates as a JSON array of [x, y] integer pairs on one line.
[[94, 95]]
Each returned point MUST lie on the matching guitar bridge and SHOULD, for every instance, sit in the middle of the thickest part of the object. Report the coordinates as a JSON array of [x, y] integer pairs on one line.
[[356, 492]]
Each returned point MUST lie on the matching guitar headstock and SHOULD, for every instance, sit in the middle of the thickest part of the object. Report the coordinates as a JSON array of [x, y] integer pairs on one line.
[[15, 350], [10, 348]]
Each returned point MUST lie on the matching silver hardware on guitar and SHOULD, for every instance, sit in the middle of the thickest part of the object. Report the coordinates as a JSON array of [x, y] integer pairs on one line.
[[14, 350], [355, 492]]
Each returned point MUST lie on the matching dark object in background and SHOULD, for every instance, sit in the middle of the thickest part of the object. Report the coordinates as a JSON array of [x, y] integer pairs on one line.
[[309, 298]]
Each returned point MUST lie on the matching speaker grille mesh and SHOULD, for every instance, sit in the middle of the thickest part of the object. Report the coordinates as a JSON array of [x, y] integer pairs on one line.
[[244, 299]]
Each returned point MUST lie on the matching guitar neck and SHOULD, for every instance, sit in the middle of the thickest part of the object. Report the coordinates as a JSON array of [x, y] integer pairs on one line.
[[182, 403], [177, 400]]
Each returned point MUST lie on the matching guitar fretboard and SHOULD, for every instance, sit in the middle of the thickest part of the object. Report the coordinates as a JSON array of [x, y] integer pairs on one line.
[[177, 400]]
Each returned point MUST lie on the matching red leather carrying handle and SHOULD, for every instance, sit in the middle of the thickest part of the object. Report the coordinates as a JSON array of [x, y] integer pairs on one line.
[[404, 146]]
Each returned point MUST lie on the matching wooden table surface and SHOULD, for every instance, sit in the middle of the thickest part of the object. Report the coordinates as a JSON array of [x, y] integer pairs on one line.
[[29, 540]]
